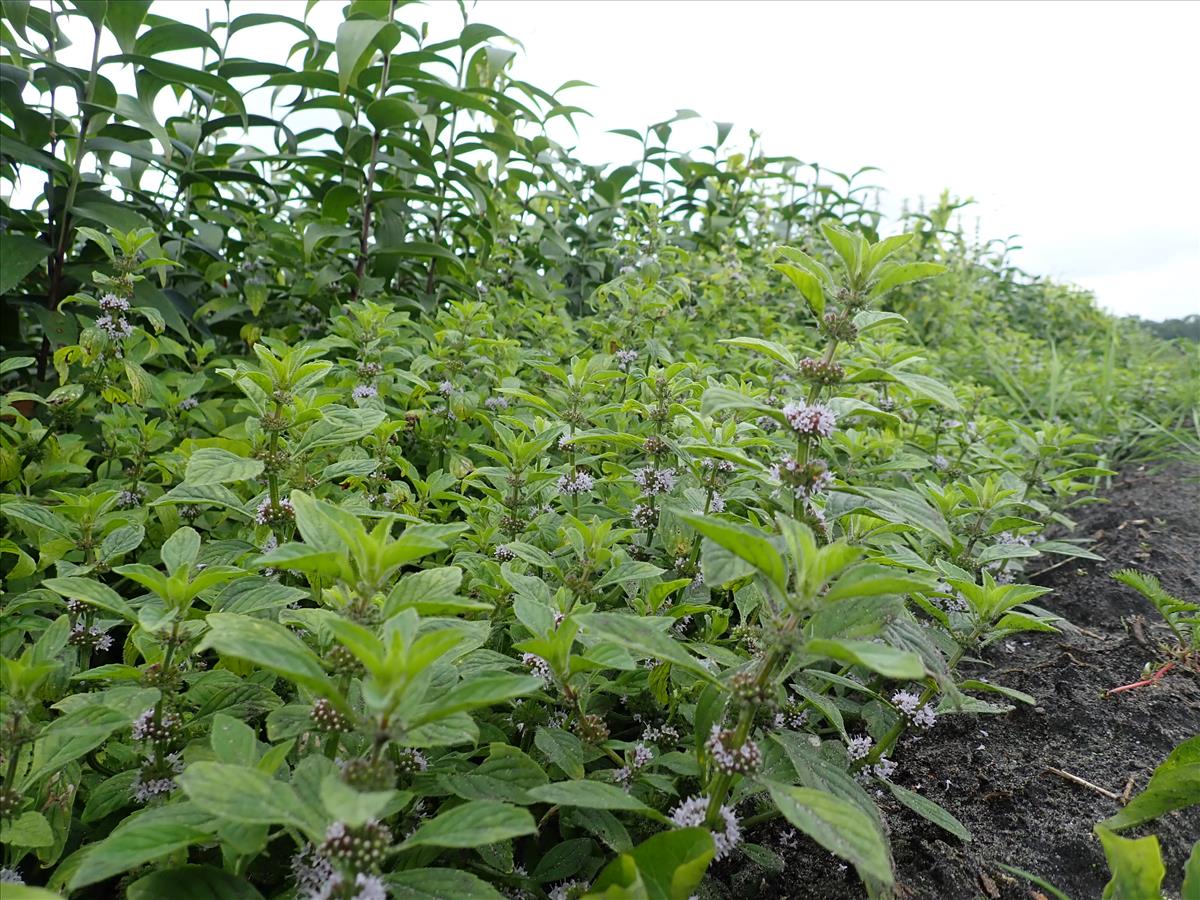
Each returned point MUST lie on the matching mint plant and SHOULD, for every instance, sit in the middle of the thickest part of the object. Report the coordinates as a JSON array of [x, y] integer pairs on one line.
[[395, 505]]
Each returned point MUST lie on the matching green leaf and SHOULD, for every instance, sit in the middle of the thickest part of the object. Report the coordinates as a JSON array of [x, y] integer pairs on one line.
[[19, 255], [562, 748], [124, 19], [1136, 865], [353, 48], [777, 352], [246, 795], [747, 543], [121, 540], [93, 593], [439, 884], [670, 864], [268, 645], [905, 274], [471, 824], [881, 658], [28, 830], [233, 741], [141, 838], [345, 804], [180, 550], [807, 284], [644, 636], [478, 692], [192, 883], [1175, 784], [212, 465], [587, 794], [837, 825], [927, 809]]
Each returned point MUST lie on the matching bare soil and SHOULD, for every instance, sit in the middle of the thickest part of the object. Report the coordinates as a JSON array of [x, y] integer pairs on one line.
[[991, 772]]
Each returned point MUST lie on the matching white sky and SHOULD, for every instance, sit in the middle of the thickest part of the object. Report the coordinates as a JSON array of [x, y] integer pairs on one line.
[[1069, 123]]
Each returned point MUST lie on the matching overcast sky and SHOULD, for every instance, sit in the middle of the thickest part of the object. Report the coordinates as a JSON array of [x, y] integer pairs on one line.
[[1072, 125]]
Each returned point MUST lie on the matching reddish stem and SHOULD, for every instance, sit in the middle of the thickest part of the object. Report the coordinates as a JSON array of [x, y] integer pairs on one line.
[[1153, 679]]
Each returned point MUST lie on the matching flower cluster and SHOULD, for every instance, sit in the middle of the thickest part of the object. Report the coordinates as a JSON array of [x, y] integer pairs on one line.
[[325, 717], [129, 499], [366, 887], [579, 483], [731, 759], [164, 731], [859, 746], [802, 480], [358, 848], [815, 420], [269, 513], [411, 761], [692, 812], [310, 870], [641, 757], [821, 372], [95, 637], [503, 553], [569, 890], [496, 403], [364, 392], [910, 706], [113, 323], [537, 666], [155, 780], [368, 774], [625, 359], [655, 481], [644, 516]]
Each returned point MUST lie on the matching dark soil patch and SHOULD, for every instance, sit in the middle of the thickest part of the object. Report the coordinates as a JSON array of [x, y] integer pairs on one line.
[[990, 771]]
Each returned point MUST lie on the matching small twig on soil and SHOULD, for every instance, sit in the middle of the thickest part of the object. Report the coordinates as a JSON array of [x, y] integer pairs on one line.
[[1125, 794], [1145, 682], [1083, 782]]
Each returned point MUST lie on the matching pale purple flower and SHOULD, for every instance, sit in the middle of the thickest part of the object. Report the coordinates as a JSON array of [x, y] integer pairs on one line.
[[884, 768], [812, 420], [579, 483], [268, 514], [111, 302], [10, 876], [129, 499], [188, 403], [569, 890], [716, 504], [496, 403], [625, 359], [446, 388], [114, 328], [859, 746], [692, 812], [537, 666], [364, 392], [310, 870], [940, 462], [730, 759], [655, 481]]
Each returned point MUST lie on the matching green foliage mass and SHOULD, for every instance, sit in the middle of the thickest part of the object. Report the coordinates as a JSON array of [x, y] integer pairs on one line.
[[394, 504]]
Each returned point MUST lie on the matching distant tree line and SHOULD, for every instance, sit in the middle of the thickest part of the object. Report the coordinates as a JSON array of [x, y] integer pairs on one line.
[[1187, 327]]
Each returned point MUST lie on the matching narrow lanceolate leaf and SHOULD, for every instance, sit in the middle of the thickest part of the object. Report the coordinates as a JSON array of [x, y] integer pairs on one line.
[[926, 808], [838, 826]]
